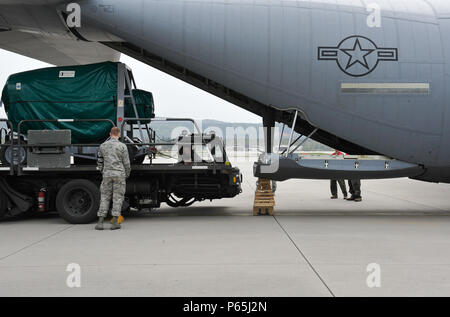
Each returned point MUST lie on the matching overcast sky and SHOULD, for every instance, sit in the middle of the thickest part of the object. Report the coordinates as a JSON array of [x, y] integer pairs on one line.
[[173, 97]]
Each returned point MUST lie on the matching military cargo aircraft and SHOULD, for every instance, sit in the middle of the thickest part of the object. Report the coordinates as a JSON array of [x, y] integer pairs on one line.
[[368, 77]]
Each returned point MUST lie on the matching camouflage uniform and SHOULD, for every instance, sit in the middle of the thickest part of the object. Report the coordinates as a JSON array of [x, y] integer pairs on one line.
[[114, 163]]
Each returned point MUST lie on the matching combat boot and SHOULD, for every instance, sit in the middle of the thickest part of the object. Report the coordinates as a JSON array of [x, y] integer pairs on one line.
[[115, 225], [99, 225]]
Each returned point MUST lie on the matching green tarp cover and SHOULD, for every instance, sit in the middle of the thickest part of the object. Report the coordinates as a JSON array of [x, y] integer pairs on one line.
[[71, 92], [144, 104]]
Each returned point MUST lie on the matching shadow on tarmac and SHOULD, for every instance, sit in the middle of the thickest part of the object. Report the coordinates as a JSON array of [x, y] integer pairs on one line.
[[214, 211]]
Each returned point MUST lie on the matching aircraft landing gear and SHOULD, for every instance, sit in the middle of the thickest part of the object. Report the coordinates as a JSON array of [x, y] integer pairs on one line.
[[264, 195]]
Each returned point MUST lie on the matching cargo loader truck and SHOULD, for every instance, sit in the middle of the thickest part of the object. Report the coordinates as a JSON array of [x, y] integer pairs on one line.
[[57, 118]]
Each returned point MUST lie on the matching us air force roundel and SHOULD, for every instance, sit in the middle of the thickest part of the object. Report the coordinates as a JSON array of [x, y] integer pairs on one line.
[[357, 56]]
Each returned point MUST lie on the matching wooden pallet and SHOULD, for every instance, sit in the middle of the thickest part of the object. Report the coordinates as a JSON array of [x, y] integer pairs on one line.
[[264, 198]]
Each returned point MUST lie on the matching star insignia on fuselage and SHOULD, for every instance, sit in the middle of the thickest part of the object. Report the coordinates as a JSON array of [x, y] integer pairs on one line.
[[357, 55]]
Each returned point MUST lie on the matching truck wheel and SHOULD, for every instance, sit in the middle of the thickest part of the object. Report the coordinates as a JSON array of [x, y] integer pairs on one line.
[[78, 201], [5, 156], [3, 204]]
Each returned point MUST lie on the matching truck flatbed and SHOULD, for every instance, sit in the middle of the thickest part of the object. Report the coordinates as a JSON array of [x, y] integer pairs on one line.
[[144, 168], [52, 171]]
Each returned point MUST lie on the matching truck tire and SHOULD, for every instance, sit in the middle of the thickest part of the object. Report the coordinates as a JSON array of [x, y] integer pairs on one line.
[[3, 204], [78, 201], [5, 156]]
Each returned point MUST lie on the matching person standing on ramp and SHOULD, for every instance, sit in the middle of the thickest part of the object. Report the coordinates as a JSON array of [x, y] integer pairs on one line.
[[114, 164]]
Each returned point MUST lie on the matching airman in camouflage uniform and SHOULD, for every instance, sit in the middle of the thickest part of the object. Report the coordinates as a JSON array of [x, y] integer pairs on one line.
[[114, 163]]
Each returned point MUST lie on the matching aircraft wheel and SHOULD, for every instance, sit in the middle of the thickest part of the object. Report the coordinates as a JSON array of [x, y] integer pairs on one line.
[[78, 201]]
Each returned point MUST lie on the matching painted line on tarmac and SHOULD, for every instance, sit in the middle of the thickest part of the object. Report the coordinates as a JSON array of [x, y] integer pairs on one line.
[[36, 242], [305, 258]]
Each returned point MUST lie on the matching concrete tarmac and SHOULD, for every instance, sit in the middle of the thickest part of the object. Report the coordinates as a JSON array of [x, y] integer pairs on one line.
[[313, 246]]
